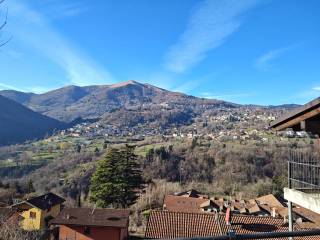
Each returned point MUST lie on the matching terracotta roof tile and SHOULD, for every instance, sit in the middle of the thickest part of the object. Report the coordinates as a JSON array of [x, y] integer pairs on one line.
[[254, 209], [183, 204], [308, 214], [191, 193], [269, 200], [163, 224]]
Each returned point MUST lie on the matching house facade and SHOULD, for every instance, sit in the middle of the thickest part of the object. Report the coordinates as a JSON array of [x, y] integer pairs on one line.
[[37, 212]]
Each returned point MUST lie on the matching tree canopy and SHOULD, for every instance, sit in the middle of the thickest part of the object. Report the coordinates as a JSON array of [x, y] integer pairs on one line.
[[117, 180]]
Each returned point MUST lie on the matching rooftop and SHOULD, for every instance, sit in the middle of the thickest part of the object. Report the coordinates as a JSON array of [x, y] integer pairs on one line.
[[269, 200], [191, 193], [297, 115], [184, 204], [164, 224], [93, 217], [44, 201]]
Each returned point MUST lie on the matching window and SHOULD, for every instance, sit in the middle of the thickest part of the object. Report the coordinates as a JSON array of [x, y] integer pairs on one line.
[[33, 215], [87, 230]]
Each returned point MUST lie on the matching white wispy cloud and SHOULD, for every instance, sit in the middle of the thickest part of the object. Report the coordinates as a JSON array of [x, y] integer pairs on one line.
[[71, 9], [32, 28], [264, 62], [316, 88], [208, 27], [61, 8], [305, 95], [187, 87], [191, 85]]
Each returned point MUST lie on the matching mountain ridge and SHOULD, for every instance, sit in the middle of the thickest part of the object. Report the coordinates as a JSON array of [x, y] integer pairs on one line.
[[71, 102]]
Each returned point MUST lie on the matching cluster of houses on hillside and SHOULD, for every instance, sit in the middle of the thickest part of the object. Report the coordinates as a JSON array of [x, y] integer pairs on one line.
[[225, 124], [46, 212], [93, 130]]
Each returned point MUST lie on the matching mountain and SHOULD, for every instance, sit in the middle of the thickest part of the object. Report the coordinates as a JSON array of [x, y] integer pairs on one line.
[[72, 102], [18, 123]]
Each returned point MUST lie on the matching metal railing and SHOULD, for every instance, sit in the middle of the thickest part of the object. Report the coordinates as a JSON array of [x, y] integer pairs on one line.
[[265, 235], [304, 171]]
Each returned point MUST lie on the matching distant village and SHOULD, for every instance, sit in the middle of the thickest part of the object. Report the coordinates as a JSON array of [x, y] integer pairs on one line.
[[227, 125]]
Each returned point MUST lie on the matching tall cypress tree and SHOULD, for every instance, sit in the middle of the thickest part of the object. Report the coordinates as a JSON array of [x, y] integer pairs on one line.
[[117, 180], [104, 182], [131, 181]]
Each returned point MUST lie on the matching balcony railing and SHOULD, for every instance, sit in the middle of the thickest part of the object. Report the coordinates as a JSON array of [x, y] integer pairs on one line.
[[304, 171]]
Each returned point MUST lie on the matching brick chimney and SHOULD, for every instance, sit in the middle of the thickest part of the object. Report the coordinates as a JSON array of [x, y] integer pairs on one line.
[[228, 216]]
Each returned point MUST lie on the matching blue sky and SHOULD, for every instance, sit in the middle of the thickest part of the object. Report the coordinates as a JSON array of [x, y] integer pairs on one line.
[[248, 51]]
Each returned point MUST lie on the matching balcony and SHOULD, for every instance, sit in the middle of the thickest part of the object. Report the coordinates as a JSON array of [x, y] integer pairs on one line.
[[304, 179]]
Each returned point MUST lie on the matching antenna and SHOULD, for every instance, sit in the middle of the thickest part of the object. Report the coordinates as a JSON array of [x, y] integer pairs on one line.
[[94, 208]]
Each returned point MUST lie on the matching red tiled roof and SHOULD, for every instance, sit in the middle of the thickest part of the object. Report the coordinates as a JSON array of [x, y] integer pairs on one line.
[[269, 200], [183, 204], [308, 225], [93, 217], [163, 224], [191, 193], [308, 214], [254, 208]]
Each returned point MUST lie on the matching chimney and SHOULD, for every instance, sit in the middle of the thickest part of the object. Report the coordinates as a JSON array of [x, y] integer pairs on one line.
[[228, 216], [68, 216], [273, 212]]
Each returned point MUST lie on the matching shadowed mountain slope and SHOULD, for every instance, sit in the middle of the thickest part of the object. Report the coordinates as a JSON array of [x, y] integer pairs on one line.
[[18, 123]]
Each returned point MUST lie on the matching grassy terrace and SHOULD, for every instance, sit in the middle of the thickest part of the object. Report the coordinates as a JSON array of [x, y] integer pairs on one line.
[[41, 152]]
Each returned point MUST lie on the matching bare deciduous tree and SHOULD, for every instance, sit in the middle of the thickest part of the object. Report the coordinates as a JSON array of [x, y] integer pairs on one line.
[[11, 231], [2, 25]]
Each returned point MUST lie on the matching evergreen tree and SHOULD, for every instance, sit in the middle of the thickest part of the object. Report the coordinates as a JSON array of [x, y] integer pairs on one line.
[[30, 187], [105, 144], [78, 148], [117, 179], [17, 187], [97, 151], [104, 182], [131, 180]]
